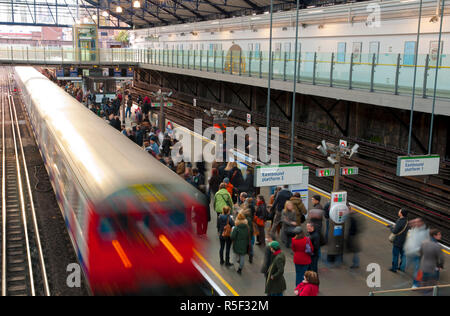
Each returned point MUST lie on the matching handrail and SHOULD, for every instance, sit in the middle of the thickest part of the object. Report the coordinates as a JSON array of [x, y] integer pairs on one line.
[[372, 72], [434, 288]]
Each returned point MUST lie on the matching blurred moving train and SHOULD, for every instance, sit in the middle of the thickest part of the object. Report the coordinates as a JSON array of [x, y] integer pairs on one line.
[[128, 217]]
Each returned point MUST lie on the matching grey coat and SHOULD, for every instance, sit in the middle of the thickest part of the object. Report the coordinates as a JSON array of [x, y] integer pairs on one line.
[[432, 256]]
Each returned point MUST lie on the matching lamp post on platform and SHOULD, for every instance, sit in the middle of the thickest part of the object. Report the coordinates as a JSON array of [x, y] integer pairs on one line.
[[339, 210], [161, 98]]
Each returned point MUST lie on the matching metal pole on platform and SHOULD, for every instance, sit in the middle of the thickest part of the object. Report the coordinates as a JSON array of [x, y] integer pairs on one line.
[[414, 80], [438, 57], [294, 92], [269, 77]]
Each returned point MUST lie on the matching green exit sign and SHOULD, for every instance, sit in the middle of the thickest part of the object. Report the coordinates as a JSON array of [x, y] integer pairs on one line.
[[349, 171], [326, 172], [157, 105]]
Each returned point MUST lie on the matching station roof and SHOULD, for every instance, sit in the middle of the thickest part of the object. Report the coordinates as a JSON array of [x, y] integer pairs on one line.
[[166, 12], [138, 13]]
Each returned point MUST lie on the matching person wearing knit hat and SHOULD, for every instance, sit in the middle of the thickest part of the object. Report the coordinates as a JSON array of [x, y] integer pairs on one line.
[[276, 284], [275, 245]]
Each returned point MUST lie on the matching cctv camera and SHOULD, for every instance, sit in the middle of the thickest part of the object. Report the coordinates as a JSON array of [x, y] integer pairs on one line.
[[354, 150], [322, 150], [332, 160]]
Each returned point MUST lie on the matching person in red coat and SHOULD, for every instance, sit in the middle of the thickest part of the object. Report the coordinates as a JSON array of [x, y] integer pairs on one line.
[[303, 249], [309, 286]]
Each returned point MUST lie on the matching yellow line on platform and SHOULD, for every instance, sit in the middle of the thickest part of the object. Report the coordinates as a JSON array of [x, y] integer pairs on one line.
[[215, 273]]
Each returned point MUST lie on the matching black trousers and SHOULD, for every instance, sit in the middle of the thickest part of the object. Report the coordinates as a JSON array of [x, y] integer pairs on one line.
[[225, 244]]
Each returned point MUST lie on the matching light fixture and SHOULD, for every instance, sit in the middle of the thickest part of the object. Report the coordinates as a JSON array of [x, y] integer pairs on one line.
[[136, 4], [434, 19], [85, 20], [267, 12], [105, 14], [94, 17], [119, 9]]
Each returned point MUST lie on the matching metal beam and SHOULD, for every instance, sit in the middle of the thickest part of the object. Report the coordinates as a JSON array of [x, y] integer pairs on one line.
[[189, 9], [215, 6], [168, 11], [252, 4], [118, 16]]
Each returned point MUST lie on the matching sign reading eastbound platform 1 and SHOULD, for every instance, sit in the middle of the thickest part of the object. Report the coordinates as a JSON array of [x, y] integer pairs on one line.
[[267, 176], [417, 165]]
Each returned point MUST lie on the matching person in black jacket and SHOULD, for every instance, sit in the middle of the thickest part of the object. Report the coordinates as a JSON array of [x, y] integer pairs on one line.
[[166, 144], [400, 230], [278, 205], [248, 184], [139, 136], [268, 257], [225, 242], [314, 236], [326, 214]]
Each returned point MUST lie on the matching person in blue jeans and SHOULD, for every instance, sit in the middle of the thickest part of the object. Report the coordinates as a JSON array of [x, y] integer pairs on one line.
[[417, 235], [129, 106], [400, 230]]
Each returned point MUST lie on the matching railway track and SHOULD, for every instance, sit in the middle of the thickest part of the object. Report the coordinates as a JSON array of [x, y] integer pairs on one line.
[[376, 188], [23, 264]]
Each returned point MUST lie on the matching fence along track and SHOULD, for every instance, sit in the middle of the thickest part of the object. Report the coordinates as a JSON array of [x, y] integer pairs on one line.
[[23, 265]]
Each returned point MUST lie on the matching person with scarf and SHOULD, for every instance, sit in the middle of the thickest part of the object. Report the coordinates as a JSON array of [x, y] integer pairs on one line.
[[276, 284]]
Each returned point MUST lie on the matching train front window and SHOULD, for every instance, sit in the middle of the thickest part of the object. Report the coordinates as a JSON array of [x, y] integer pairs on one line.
[[106, 228], [177, 218]]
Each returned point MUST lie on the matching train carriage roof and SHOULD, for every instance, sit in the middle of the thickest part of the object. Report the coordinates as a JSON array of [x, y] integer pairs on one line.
[[103, 159]]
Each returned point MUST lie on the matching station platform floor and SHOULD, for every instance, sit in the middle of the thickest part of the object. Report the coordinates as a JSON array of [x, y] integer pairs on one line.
[[334, 281]]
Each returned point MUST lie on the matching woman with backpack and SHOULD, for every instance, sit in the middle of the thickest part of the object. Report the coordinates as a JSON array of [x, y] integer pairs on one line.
[[303, 250], [260, 219], [241, 240], [225, 224]]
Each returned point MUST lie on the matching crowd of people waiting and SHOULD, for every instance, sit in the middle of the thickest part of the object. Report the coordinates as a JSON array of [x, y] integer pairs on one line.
[[243, 216]]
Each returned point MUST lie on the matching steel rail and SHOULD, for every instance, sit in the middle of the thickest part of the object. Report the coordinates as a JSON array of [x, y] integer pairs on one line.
[[3, 98], [22, 203], [33, 210]]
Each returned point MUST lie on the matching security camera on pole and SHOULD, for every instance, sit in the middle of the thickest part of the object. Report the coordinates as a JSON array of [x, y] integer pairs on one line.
[[338, 204]]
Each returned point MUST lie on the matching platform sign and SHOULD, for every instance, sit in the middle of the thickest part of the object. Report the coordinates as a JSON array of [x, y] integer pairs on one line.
[[130, 72], [325, 172], [349, 171], [59, 73], [73, 72], [417, 165], [303, 187], [117, 72], [275, 175], [342, 143]]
